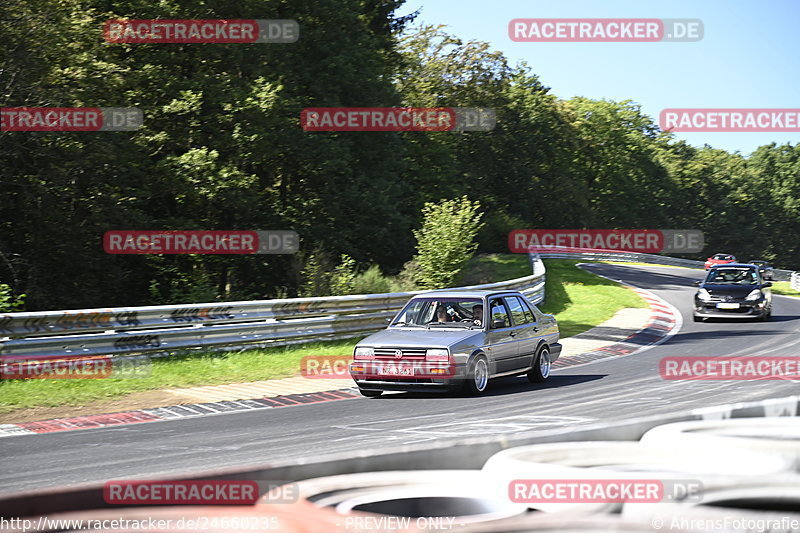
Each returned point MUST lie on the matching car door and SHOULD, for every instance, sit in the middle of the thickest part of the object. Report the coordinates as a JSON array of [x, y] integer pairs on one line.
[[501, 348], [527, 332]]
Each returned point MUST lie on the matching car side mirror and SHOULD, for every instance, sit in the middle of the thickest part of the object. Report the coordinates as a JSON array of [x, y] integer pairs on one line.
[[498, 324], [696, 283], [767, 284]]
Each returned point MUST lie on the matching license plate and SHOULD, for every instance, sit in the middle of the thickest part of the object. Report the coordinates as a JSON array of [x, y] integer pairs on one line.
[[395, 370], [727, 306]]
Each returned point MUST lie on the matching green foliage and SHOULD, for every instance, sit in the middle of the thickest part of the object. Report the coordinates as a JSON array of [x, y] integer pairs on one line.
[[446, 240], [321, 278], [222, 148], [313, 281], [371, 281], [9, 303], [343, 277]]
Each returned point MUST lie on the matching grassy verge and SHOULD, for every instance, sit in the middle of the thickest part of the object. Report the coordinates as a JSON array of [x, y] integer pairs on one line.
[[578, 299], [643, 264], [167, 373], [581, 300], [783, 288]]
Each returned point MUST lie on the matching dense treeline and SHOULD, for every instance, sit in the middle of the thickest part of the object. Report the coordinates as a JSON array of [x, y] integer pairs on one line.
[[222, 148]]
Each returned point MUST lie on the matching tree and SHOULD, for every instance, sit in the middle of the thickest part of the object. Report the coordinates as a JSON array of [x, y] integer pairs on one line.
[[446, 240]]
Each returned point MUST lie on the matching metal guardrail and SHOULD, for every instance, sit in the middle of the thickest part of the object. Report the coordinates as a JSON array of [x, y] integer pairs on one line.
[[167, 330], [177, 328]]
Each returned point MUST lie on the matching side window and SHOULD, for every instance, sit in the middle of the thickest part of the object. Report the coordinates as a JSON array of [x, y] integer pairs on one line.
[[537, 315], [498, 312], [519, 312]]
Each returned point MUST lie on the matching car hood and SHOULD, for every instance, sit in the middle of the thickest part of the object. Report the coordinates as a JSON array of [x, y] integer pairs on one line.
[[724, 289], [419, 337]]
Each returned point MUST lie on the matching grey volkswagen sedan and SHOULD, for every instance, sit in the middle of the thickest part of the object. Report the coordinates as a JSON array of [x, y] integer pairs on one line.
[[457, 340]]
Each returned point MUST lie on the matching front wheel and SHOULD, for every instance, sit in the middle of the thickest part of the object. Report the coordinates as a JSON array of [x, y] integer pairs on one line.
[[370, 393], [541, 366], [477, 377]]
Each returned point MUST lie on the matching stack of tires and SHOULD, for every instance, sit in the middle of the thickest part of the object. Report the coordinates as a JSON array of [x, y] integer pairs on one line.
[[745, 474]]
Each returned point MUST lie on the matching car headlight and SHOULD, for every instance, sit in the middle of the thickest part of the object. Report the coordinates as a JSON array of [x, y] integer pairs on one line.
[[703, 295], [755, 294], [437, 354], [363, 352]]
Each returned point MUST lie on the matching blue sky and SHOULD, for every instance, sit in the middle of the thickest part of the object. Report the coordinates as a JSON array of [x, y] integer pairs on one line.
[[748, 58]]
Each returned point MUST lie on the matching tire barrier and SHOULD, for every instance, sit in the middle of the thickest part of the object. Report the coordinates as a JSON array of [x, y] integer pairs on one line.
[[626, 460], [776, 435], [746, 483], [461, 496]]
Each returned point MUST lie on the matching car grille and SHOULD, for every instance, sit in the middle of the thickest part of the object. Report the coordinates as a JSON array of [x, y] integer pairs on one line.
[[742, 309], [408, 353], [725, 298]]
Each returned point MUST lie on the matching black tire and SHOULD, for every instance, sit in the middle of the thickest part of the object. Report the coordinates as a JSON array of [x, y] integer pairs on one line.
[[477, 376], [370, 393], [541, 366]]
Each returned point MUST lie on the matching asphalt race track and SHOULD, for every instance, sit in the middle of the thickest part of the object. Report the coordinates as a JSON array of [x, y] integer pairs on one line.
[[605, 390]]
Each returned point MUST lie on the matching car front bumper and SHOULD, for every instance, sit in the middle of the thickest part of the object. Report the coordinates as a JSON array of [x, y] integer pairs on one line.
[[745, 310], [366, 376], [456, 377]]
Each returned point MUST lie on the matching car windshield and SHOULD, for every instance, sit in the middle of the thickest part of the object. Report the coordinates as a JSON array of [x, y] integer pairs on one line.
[[738, 276], [724, 257], [441, 313]]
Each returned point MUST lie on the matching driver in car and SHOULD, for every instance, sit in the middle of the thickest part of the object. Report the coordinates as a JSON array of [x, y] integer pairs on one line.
[[477, 314]]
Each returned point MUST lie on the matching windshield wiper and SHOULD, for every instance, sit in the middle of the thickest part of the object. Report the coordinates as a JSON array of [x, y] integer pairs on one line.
[[447, 324], [407, 324]]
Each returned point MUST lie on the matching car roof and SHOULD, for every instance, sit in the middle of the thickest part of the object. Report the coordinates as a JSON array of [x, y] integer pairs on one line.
[[733, 265], [444, 293]]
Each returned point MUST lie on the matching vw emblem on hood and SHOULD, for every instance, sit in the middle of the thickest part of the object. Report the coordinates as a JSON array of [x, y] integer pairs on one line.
[[398, 354]]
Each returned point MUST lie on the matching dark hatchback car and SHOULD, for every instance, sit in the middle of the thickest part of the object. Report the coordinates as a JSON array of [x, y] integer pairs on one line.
[[733, 290], [764, 266]]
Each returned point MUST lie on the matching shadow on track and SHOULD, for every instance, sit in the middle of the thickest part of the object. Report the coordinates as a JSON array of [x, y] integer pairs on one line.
[[692, 336], [506, 386]]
